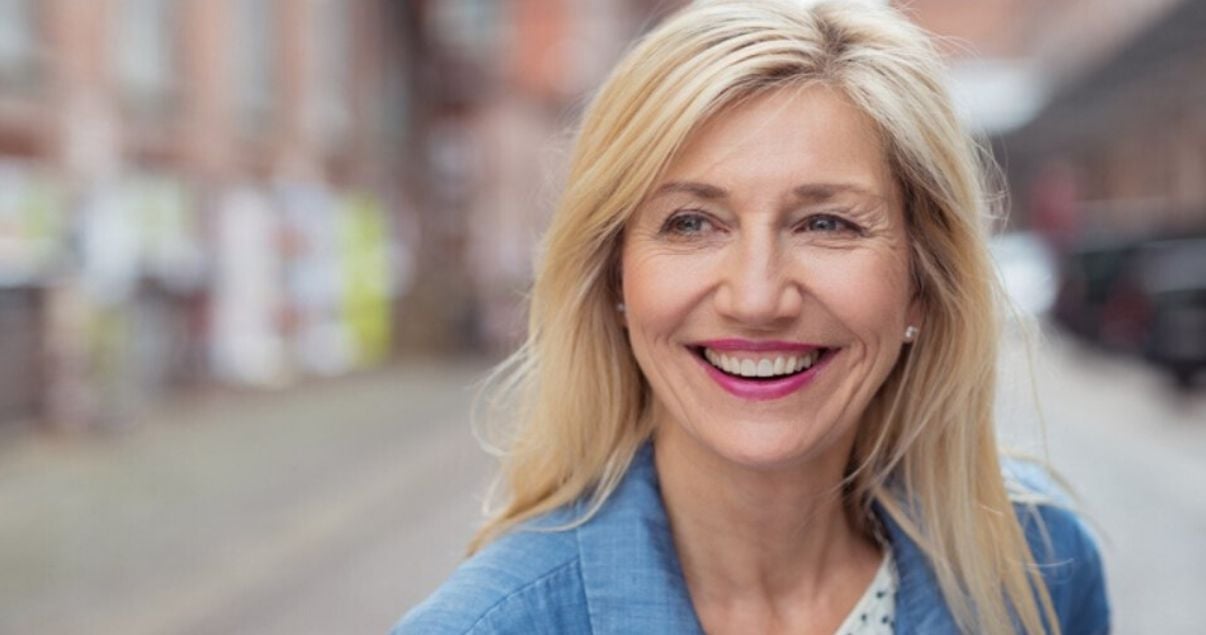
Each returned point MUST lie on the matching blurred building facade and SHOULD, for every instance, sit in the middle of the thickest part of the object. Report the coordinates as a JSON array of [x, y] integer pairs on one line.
[[1096, 110], [254, 191], [194, 191], [500, 85], [1119, 149]]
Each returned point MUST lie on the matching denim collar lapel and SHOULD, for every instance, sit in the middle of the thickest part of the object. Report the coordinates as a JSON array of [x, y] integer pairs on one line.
[[630, 569], [634, 583], [920, 607]]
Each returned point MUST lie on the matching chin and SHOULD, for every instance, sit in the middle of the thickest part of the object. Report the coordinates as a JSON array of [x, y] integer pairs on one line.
[[757, 445]]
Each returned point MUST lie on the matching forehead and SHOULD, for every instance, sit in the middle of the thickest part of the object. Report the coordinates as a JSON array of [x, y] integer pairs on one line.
[[786, 138]]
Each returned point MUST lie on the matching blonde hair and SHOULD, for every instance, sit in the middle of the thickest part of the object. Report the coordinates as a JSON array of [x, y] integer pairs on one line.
[[927, 454]]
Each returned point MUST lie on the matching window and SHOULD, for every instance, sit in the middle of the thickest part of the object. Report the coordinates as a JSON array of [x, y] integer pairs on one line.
[[330, 66], [255, 60], [144, 51], [471, 27], [19, 41]]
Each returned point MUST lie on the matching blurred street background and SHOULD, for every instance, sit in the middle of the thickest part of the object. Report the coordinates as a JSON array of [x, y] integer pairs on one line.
[[255, 254]]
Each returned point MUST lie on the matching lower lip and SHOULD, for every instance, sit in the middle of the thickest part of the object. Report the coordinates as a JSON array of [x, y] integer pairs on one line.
[[763, 390]]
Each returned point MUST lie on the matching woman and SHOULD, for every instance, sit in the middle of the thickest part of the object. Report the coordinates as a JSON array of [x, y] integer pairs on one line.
[[757, 391]]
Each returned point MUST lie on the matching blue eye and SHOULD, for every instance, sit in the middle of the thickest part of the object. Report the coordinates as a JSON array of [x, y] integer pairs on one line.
[[827, 223], [686, 224]]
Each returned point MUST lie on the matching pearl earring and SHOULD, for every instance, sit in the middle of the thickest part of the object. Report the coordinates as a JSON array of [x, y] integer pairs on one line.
[[911, 333], [620, 307]]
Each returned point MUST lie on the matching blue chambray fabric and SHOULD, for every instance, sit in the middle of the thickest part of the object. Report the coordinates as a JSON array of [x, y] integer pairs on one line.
[[619, 573]]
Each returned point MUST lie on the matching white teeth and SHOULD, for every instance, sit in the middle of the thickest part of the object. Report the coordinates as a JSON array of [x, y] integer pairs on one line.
[[730, 365], [761, 367]]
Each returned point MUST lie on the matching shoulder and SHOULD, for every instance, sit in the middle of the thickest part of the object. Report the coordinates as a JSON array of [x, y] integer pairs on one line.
[[528, 581], [1063, 546]]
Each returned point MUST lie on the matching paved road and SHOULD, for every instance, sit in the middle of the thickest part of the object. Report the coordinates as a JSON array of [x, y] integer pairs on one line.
[[1134, 450], [333, 507], [324, 509]]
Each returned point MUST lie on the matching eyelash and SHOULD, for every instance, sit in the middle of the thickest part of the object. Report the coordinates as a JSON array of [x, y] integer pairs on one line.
[[671, 225], [843, 225]]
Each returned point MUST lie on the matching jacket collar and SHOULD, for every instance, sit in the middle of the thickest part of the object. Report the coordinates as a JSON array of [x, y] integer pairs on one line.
[[630, 569], [920, 607], [634, 583]]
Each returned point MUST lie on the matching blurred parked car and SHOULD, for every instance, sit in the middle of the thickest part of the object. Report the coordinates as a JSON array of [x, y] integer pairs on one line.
[[1172, 274], [1094, 300], [1140, 296]]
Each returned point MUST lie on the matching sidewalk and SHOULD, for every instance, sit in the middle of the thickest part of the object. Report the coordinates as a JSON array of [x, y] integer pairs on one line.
[[1132, 448], [197, 520]]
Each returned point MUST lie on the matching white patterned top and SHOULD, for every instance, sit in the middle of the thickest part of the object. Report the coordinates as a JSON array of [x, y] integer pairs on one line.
[[875, 613]]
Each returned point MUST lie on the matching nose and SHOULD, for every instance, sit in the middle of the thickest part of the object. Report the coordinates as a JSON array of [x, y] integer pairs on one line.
[[758, 288]]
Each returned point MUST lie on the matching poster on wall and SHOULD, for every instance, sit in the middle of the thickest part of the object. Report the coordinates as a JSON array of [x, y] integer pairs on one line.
[[313, 285], [33, 225], [246, 343], [32, 249], [141, 265], [364, 247], [169, 239]]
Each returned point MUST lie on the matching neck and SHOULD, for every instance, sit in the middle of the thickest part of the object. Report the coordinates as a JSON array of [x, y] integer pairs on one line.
[[766, 537]]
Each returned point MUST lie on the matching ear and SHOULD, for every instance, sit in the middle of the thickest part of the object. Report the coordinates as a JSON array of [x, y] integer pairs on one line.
[[621, 308], [616, 284], [915, 315], [916, 312]]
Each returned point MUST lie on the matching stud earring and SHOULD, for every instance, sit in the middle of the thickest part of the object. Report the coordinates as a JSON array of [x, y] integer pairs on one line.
[[911, 333], [620, 307]]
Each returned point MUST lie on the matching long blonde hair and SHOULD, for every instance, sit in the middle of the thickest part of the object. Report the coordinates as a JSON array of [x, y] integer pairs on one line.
[[927, 454]]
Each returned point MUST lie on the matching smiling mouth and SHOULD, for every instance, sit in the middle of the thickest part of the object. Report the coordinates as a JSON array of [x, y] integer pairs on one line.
[[762, 367]]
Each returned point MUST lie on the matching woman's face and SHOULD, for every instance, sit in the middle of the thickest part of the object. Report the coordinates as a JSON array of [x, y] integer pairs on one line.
[[766, 280]]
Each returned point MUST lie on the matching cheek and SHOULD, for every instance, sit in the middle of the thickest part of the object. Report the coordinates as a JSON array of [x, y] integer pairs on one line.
[[659, 291], [868, 291]]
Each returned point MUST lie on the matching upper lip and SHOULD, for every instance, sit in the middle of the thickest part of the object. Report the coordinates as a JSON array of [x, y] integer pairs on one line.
[[737, 344]]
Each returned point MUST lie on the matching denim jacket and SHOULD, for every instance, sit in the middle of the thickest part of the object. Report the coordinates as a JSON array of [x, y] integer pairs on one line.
[[619, 573]]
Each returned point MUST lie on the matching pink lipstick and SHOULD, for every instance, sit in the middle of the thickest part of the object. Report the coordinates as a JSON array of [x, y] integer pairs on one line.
[[763, 389]]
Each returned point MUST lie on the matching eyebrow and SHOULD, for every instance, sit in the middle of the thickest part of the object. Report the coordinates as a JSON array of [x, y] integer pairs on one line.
[[820, 192], [812, 192], [702, 190]]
